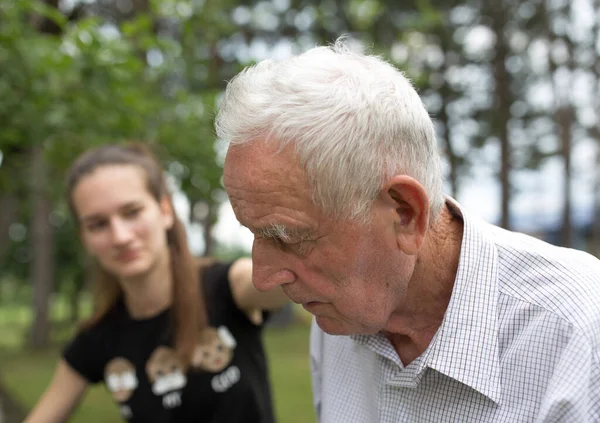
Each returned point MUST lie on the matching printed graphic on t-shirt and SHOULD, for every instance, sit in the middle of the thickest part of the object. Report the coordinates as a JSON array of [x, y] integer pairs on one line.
[[120, 378], [214, 353], [125, 411], [223, 381], [165, 374], [214, 350]]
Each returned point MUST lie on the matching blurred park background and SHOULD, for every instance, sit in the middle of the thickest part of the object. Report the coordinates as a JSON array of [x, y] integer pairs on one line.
[[513, 86]]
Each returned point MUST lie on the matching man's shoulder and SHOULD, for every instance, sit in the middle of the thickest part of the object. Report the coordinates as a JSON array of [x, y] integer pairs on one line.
[[556, 283], [533, 267]]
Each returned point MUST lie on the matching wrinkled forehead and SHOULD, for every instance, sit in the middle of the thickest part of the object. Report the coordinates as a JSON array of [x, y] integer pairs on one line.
[[261, 166], [267, 187]]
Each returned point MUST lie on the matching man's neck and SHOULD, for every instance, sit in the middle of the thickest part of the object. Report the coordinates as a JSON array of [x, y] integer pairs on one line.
[[150, 294], [420, 315]]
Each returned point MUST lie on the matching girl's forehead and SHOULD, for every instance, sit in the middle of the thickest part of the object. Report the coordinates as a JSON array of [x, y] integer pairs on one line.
[[108, 188], [112, 177]]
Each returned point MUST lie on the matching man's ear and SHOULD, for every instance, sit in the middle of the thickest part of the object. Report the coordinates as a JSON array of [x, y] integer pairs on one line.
[[410, 205], [166, 209]]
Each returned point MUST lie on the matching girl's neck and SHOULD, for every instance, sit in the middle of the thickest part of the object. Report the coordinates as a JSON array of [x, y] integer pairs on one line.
[[150, 294]]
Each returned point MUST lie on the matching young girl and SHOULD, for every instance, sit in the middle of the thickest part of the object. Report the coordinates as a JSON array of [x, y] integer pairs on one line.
[[174, 339]]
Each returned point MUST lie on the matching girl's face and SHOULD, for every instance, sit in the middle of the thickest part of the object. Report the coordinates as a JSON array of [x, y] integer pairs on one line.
[[122, 225]]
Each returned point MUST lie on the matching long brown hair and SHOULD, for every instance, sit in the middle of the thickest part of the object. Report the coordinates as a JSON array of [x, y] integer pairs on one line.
[[188, 305]]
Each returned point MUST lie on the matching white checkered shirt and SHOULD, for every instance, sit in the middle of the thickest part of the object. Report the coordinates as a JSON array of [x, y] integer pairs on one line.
[[519, 342]]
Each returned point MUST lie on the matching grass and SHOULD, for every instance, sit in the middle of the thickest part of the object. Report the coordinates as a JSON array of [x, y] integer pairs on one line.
[[287, 350], [26, 375]]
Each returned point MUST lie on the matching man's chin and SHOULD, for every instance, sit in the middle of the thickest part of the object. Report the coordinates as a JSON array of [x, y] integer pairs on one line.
[[333, 326]]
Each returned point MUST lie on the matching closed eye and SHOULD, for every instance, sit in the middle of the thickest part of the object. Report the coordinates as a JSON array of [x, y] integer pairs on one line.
[[300, 247]]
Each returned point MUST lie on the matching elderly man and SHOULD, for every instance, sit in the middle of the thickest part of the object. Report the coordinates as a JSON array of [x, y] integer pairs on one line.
[[333, 166]]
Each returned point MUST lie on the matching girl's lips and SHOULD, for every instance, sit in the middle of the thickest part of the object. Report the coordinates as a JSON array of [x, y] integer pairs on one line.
[[127, 256]]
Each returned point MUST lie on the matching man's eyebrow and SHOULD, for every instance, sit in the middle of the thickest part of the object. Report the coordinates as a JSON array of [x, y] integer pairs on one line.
[[283, 233]]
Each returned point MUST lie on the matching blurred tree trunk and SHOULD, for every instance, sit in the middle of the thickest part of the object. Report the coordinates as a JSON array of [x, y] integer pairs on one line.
[[42, 239], [42, 247], [564, 116], [446, 94], [14, 160], [9, 206], [208, 224], [496, 10], [42, 234], [564, 120], [594, 246], [74, 297], [84, 283], [205, 213], [444, 119], [74, 313]]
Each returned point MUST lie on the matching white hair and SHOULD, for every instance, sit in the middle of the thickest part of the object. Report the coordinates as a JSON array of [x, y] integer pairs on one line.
[[353, 119]]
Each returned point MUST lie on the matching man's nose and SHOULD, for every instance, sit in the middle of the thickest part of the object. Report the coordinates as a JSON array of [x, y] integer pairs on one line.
[[271, 267]]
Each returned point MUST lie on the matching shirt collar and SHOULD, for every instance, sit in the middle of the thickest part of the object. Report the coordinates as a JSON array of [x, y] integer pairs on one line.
[[465, 346]]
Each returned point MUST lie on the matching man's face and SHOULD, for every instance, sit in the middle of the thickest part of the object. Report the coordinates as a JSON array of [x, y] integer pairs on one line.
[[350, 276]]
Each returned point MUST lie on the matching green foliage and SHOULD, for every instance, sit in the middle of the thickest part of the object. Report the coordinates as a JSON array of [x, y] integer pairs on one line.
[[92, 83]]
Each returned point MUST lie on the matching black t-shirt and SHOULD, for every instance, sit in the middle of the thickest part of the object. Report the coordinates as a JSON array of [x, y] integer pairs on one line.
[[226, 383]]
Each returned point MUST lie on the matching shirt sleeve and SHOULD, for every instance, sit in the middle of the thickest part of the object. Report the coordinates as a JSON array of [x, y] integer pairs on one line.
[[594, 412], [573, 393], [84, 355], [316, 346], [217, 287], [215, 281]]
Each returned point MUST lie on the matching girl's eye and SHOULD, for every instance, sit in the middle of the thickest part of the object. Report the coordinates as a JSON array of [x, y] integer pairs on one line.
[[96, 226], [131, 213]]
